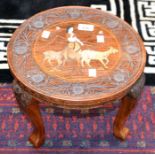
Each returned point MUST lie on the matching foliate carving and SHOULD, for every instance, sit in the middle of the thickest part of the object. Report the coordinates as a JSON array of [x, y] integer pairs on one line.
[[136, 90], [58, 61], [120, 76], [20, 48], [38, 23], [74, 14], [132, 49], [22, 96], [77, 89], [35, 76], [112, 23]]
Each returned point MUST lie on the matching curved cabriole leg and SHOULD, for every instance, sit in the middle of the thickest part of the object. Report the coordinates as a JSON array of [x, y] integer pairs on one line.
[[127, 105], [31, 107]]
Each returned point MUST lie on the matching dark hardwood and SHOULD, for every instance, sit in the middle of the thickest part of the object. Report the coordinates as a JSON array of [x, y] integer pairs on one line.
[[128, 102], [30, 106], [76, 58]]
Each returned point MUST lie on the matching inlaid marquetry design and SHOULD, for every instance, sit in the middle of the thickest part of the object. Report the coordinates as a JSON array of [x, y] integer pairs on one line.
[[76, 52]]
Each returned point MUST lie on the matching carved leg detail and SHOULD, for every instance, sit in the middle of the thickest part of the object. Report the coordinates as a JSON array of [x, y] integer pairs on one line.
[[31, 107], [127, 105], [37, 137]]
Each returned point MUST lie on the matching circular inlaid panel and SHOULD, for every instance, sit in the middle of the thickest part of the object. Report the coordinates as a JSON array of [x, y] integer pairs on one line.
[[69, 50], [76, 54]]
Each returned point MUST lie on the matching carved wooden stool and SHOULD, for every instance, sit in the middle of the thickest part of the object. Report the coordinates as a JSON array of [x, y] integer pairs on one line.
[[75, 58]]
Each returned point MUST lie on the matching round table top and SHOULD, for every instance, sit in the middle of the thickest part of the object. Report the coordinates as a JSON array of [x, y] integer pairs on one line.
[[76, 54]]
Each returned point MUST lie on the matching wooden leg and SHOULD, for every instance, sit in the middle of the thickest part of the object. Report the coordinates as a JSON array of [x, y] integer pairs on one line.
[[31, 107], [127, 105]]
